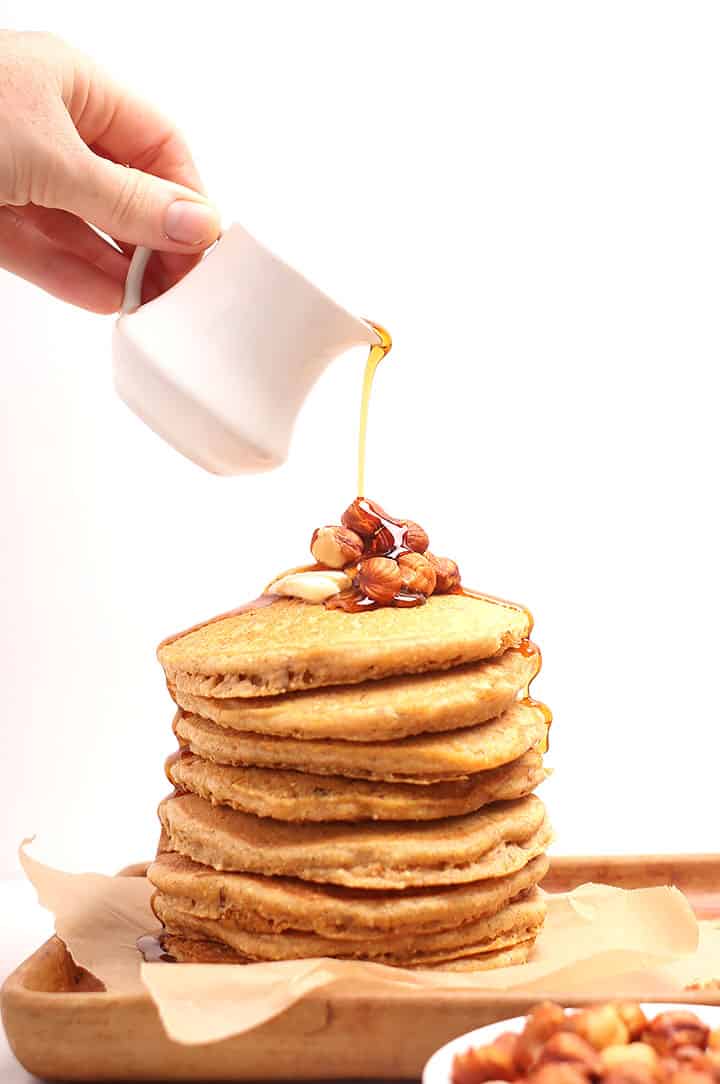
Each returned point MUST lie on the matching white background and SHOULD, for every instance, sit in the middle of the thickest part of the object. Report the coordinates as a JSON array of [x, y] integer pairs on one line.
[[527, 195]]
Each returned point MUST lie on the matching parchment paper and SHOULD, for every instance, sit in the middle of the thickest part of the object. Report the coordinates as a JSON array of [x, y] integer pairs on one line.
[[597, 940]]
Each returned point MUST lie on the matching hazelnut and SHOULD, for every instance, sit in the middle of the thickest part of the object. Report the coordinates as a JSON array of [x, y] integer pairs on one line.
[[631, 1054], [601, 1026], [687, 1075], [690, 1058], [381, 543], [567, 1047], [336, 547], [379, 578], [558, 1073], [671, 1030], [416, 538], [632, 1017], [363, 517], [629, 1074], [545, 1020], [447, 573], [485, 1063], [417, 573]]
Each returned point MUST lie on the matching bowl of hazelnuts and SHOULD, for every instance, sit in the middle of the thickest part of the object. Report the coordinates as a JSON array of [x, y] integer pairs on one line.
[[615, 1043]]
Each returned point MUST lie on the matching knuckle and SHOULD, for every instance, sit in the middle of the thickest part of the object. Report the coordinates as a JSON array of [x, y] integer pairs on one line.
[[129, 200]]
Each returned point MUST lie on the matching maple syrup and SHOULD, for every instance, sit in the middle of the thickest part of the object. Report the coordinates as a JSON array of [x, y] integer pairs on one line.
[[183, 753], [469, 593], [254, 604], [376, 355], [547, 716], [152, 949]]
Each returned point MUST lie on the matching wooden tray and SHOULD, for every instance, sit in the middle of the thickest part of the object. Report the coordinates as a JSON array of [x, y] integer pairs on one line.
[[62, 1025]]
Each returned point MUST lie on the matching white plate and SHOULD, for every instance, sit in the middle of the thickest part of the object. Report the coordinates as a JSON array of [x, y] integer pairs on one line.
[[439, 1069]]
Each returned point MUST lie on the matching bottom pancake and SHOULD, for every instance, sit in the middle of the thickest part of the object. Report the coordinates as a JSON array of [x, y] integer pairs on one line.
[[483, 961], [519, 921], [191, 950]]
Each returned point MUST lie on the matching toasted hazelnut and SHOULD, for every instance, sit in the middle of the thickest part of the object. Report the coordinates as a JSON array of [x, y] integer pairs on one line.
[[567, 1047], [629, 1074], [417, 573], [362, 516], [600, 1025], [671, 1030], [480, 1064], [699, 1061], [381, 543], [691, 1075], [545, 1020], [688, 1054], [447, 573], [632, 1017], [336, 547], [631, 1054], [379, 578], [416, 538], [563, 1072]]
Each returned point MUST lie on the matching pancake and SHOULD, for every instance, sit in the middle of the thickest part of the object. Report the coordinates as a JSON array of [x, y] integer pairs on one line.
[[302, 796], [380, 710], [425, 758], [270, 904], [517, 922], [493, 842], [484, 961], [192, 950], [289, 645]]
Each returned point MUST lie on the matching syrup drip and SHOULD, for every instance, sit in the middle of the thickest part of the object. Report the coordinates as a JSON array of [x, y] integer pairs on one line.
[[390, 537], [183, 753], [254, 604], [354, 601], [376, 355], [151, 947], [528, 648], [547, 716], [469, 593]]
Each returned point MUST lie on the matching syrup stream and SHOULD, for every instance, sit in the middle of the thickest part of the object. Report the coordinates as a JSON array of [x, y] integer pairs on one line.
[[377, 353]]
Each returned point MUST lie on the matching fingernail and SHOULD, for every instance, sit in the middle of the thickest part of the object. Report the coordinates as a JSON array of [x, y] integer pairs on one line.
[[190, 223]]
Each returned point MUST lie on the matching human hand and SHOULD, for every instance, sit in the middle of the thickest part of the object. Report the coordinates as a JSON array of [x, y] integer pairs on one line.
[[77, 148]]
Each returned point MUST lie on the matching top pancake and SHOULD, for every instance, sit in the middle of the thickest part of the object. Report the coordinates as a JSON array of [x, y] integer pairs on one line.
[[291, 645]]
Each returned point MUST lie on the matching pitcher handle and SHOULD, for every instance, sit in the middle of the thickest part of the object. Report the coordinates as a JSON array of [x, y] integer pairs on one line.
[[132, 298]]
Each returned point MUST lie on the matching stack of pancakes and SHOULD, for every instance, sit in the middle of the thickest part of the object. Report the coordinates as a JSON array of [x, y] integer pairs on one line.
[[355, 785]]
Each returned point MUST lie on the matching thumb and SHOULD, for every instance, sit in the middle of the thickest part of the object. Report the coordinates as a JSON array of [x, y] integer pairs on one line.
[[137, 207]]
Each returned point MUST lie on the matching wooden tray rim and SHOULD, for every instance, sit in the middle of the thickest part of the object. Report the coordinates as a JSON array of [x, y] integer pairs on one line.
[[697, 864]]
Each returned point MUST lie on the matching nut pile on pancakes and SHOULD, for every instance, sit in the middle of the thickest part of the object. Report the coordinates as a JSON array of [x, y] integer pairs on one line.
[[355, 784]]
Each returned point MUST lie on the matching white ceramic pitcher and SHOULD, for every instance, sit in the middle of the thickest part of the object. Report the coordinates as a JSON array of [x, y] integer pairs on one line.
[[221, 363]]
